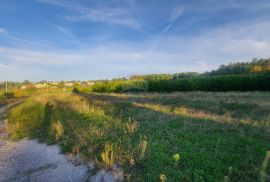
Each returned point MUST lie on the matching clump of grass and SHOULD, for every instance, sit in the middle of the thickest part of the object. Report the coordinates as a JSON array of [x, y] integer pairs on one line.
[[263, 173], [108, 156], [142, 149], [226, 178], [131, 127], [57, 130]]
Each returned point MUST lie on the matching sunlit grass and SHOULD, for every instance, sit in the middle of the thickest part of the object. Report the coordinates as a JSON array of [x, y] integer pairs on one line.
[[80, 128], [178, 137]]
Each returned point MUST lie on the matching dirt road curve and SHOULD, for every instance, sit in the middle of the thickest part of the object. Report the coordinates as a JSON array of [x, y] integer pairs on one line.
[[28, 160]]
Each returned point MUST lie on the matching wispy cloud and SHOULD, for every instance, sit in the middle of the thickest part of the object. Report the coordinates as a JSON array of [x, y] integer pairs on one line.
[[67, 33], [15, 40], [210, 6], [186, 38], [239, 42], [105, 14], [176, 12], [2, 31], [159, 36]]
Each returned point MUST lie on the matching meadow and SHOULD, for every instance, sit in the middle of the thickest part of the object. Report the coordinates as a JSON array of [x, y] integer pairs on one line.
[[186, 136]]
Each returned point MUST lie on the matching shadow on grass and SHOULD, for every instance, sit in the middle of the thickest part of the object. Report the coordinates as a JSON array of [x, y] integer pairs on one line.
[[208, 147], [244, 112]]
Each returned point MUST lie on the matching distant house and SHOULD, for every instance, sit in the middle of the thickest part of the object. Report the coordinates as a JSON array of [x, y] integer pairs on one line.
[[24, 87], [39, 85], [90, 83], [68, 84], [55, 83]]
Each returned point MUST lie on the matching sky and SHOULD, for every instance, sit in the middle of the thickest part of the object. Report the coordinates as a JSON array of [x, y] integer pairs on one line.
[[104, 39]]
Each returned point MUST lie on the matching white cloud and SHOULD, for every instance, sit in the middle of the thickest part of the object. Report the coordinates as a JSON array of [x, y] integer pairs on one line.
[[168, 54], [119, 16], [174, 54], [106, 15], [210, 6], [25, 56], [103, 62], [235, 42]]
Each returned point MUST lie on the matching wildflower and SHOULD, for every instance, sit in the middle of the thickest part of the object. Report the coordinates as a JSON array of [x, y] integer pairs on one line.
[[176, 157]]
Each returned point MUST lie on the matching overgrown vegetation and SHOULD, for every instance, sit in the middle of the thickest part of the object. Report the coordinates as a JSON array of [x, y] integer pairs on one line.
[[252, 82], [255, 66], [6, 98], [245, 76], [249, 82], [191, 136]]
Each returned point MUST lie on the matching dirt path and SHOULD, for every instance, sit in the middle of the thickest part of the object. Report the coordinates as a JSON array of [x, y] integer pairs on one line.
[[28, 160]]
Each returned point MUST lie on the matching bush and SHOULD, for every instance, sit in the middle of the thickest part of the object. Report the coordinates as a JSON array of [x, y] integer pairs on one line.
[[8, 95], [120, 86], [75, 90]]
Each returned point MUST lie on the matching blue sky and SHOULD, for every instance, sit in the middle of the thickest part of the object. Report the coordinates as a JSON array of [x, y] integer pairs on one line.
[[87, 39]]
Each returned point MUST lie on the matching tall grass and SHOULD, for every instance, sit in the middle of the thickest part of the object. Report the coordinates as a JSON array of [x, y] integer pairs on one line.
[[79, 127]]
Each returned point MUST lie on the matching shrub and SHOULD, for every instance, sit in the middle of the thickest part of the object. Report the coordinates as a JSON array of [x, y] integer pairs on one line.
[[75, 90], [8, 95]]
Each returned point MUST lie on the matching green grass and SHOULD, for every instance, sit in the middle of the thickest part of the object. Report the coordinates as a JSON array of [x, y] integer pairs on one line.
[[7, 99], [217, 135]]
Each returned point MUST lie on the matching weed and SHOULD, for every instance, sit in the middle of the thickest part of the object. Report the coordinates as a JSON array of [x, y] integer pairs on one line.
[[57, 130], [131, 127], [108, 156], [142, 149]]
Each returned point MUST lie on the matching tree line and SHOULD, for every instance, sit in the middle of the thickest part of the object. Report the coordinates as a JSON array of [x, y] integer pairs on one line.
[[240, 76]]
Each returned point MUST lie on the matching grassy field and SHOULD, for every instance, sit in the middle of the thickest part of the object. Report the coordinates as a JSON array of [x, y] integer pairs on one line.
[[6, 99], [193, 136], [27, 92]]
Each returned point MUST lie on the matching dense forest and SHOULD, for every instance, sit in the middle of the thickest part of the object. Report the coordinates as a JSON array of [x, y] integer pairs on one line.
[[255, 66], [240, 76]]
